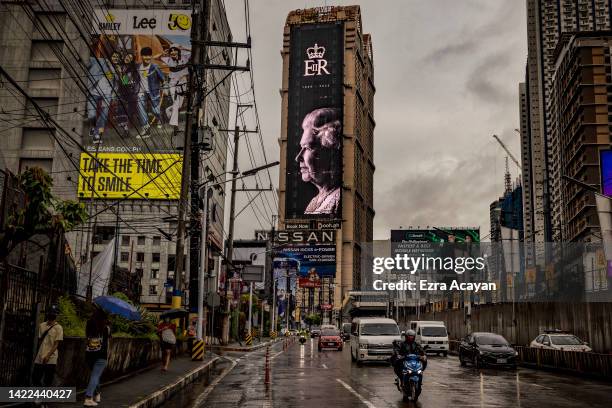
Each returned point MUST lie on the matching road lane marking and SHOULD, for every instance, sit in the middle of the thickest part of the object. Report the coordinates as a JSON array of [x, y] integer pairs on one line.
[[325, 366], [355, 393], [440, 384], [202, 397]]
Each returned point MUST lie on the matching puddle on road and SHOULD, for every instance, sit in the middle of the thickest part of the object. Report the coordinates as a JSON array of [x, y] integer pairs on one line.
[[187, 396]]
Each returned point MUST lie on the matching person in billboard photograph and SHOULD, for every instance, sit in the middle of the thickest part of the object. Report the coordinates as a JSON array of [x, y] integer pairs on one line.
[[313, 276], [104, 84], [176, 59], [129, 85], [319, 159], [150, 92]]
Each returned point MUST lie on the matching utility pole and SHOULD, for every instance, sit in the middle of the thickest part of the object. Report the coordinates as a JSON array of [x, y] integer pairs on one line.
[[230, 240], [192, 90]]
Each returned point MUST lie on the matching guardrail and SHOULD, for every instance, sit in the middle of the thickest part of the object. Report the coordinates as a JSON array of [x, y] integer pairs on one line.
[[592, 364]]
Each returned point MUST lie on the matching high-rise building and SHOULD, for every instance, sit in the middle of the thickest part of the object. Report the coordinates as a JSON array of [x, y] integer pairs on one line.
[[547, 20], [328, 90], [114, 95], [526, 173], [581, 112]]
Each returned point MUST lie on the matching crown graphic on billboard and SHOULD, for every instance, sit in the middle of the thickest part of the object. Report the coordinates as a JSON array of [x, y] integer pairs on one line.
[[315, 52]]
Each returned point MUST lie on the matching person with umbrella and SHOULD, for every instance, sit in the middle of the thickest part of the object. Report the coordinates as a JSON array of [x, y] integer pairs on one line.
[[166, 331], [98, 334]]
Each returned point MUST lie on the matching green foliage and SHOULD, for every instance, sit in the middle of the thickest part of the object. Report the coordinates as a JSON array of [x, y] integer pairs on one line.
[[42, 213], [146, 327], [69, 319], [313, 319]]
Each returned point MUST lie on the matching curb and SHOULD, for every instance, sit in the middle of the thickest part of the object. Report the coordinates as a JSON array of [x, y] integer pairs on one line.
[[245, 349], [167, 392]]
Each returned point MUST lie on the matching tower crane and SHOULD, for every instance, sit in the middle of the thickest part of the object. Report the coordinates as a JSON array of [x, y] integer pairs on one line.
[[509, 153]]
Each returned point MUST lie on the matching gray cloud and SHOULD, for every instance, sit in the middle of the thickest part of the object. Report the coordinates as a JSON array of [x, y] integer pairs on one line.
[[483, 82]]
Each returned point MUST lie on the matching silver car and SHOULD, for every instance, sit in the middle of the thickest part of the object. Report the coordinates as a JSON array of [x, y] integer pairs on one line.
[[560, 341]]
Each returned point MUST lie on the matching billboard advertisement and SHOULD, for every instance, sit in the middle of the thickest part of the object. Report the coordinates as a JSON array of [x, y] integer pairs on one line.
[[606, 172], [134, 176], [138, 76], [315, 122]]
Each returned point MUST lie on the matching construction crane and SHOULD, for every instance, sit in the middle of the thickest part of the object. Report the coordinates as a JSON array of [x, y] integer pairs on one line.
[[509, 153]]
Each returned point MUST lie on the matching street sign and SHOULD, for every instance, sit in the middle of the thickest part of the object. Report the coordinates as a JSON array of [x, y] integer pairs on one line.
[[213, 299], [253, 273]]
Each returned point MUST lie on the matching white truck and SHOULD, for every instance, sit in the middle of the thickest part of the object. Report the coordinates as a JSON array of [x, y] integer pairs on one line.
[[431, 335]]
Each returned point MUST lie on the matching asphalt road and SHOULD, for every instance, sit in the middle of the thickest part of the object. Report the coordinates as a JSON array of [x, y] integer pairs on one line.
[[301, 376]]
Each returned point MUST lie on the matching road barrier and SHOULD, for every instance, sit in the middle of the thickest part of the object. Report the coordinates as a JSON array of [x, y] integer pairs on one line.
[[577, 362], [197, 351], [273, 334], [249, 339]]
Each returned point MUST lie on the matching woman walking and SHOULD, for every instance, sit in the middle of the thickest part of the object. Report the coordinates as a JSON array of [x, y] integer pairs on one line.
[[166, 330], [98, 334]]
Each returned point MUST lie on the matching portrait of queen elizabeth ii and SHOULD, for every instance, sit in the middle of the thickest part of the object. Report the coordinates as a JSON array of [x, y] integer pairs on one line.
[[319, 159]]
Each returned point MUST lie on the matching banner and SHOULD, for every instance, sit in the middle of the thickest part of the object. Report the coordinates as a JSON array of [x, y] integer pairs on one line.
[[312, 262], [134, 176], [138, 76], [315, 122]]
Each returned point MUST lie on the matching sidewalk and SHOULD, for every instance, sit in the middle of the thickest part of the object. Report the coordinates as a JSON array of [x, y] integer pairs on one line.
[[151, 387]]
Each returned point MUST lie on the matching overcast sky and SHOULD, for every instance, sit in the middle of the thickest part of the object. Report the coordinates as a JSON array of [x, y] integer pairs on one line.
[[446, 76]]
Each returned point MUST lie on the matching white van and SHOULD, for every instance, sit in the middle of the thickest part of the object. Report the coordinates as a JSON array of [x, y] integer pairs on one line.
[[431, 335], [372, 338]]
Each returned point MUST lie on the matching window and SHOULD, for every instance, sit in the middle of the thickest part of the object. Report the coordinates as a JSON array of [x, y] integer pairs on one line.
[[171, 263], [125, 256], [45, 164], [125, 240], [152, 290], [156, 257], [37, 139], [46, 50], [154, 273], [44, 78], [141, 240], [139, 256], [139, 272], [156, 240]]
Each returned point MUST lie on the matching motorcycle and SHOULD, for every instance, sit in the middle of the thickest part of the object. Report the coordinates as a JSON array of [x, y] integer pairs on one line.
[[302, 339], [412, 377]]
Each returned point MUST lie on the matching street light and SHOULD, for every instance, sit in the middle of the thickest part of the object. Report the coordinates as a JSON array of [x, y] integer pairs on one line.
[[206, 186]]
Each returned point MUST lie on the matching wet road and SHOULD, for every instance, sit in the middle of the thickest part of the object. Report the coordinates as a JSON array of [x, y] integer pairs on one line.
[[303, 377]]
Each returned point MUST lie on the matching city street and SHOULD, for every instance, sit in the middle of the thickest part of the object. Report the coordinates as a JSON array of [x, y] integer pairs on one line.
[[304, 377]]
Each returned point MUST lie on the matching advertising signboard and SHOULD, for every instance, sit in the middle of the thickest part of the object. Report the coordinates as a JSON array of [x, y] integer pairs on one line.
[[135, 176], [138, 74], [314, 126], [606, 172]]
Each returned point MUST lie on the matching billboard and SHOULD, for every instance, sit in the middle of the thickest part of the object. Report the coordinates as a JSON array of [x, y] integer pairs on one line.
[[315, 122], [130, 175], [606, 172], [434, 234], [312, 262], [138, 76]]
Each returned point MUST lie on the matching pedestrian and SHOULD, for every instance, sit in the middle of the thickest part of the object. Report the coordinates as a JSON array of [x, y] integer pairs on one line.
[[50, 333], [166, 330], [98, 334]]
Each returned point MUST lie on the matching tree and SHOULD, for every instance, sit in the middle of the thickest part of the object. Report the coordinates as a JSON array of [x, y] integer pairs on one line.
[[41, 214], [313, 319]]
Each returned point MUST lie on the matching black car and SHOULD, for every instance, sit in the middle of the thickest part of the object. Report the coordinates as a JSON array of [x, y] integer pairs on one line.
[[486, 349], [315, 332]]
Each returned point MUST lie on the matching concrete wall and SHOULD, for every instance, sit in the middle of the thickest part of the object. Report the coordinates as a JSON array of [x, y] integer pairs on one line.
[[592, 322], [125, 356]]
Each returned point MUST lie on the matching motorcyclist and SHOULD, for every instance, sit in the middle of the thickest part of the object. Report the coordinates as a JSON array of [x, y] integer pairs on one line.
[[408, 346]]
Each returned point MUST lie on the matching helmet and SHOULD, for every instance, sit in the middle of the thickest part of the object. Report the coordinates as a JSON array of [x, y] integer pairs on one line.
[[52, 312], [410, 335]]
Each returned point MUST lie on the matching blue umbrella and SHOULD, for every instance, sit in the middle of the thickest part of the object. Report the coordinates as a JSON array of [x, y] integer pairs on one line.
[[111, 304]]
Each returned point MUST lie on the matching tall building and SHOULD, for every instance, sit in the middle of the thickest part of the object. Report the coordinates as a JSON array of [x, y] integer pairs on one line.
[[581, 128], [328, 89], [82, 68], [547, 20], [526, 173]]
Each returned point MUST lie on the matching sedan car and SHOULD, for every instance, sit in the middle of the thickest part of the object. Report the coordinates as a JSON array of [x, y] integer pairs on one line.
[[559, 340], [315, 332], [330, 339], [486, 349]]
